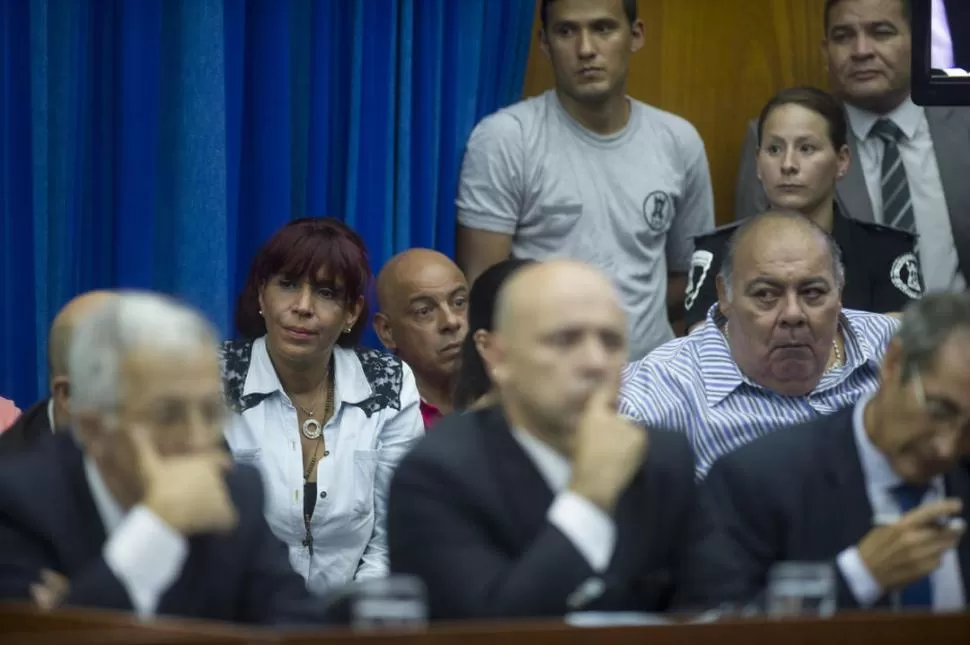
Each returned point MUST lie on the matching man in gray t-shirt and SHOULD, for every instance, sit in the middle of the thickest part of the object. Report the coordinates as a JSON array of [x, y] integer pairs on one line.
[[585, 172]]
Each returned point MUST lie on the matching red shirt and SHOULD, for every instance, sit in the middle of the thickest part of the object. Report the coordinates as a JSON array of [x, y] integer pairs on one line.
[[430, 414]]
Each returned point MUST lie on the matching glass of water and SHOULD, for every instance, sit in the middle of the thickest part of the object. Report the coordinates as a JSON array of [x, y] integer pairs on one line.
[[801, 589], [397, 602]]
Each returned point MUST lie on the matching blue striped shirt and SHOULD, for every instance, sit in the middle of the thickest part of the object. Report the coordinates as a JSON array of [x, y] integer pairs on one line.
[[693, 385]]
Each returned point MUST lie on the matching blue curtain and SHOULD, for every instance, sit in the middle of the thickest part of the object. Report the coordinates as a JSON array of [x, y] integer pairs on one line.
[[157, 143]]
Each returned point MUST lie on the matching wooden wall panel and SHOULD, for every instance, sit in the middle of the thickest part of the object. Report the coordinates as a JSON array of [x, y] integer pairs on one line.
[[716, 62]]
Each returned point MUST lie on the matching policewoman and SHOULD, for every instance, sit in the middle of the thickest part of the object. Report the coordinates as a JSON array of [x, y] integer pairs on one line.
[[802, 153]]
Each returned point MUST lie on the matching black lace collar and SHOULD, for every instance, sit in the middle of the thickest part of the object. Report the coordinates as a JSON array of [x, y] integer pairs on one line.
[[384, 372]]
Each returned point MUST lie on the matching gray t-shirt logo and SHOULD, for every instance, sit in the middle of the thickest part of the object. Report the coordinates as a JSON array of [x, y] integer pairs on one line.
[[658, 210]]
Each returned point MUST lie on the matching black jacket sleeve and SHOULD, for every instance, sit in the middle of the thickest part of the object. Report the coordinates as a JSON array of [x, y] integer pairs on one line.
[[22, 558]]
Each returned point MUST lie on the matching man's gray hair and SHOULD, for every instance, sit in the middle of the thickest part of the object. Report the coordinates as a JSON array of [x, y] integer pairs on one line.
[[927, 324], [726, 272], [132, 320]]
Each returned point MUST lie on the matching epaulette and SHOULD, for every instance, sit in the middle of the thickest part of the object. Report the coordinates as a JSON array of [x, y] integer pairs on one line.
[[882, 228], [724, 229]]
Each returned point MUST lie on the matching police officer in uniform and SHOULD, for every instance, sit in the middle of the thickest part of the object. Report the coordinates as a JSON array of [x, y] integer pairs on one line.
[[802, 152]]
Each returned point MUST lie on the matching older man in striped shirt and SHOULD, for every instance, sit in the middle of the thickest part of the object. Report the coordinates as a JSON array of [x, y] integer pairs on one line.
[[777, 348]]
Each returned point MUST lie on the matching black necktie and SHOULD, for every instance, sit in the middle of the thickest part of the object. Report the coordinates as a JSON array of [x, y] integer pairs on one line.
[[918, 593], [897, 203]]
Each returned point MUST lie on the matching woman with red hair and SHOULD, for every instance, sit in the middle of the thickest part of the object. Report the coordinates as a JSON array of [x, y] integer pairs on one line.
[[326, 421]]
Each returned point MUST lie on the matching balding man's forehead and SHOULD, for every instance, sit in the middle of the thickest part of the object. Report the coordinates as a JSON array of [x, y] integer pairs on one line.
[[552, 288], [431, 277], [782, 240], [549, 313], [412, 271], [431, 283]]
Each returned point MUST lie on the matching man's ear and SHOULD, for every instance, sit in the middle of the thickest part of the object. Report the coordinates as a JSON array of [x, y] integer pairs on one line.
[[543, 41], [481, 339], [638, 39], [382, 327], [60, 388], [493, 351]]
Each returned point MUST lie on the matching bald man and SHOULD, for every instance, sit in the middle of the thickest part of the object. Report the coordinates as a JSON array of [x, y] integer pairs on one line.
[[777, 349], [551, 502], [52, 413], [423, 300]]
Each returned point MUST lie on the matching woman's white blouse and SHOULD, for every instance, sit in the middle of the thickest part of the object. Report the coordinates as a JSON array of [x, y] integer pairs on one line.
[[376, 421]]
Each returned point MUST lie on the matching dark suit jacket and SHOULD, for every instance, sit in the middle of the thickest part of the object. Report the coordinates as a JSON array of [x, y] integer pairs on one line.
[[48, 520], [467, 514], [29, 427], [950, 131], [799, 494]]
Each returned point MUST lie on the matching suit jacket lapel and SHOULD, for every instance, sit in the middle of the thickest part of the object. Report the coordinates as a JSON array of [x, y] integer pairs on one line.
[[851, 191], [958, 485], [525, 493], [951, 141], [847, 495], [81, 518]]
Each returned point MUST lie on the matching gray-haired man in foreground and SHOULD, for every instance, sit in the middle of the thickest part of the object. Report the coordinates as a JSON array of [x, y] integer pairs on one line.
[[139, 509]]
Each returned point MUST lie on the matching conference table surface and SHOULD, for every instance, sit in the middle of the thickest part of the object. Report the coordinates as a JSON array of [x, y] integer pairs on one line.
[[24, 625]]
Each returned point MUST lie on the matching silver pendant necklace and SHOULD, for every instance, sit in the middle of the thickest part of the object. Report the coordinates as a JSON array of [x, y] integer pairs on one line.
[[312, 428]]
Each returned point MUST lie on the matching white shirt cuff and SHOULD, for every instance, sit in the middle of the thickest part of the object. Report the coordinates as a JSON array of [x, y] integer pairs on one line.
[[146, 555], [863, 586], [591, 531]]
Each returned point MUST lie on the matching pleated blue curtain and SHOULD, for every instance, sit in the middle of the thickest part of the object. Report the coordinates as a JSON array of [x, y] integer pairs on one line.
[[157, 143]]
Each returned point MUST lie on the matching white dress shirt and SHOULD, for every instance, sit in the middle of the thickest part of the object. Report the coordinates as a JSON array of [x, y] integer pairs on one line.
[[353, 477], [937, 251], [591, 531], [143, 552], [946, 581]]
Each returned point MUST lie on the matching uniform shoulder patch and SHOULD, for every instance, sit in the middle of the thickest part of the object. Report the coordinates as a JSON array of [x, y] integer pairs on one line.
[[700, 266], [904, 275]]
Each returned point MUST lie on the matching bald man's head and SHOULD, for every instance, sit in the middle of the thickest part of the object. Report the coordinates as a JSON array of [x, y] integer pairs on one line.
[[398, 275], [560, 333], [63, 327], [423, 301], [778, 227], [780, 289], [58, 346]]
